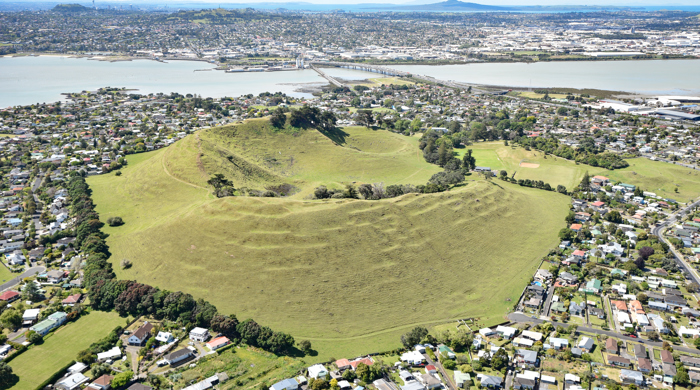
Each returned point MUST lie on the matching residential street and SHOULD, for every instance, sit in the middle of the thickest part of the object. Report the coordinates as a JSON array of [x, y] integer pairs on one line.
[[523, 318], [30, 272]]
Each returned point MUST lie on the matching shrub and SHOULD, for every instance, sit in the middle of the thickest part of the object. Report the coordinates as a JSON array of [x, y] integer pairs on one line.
[[115, 221], [125, 263]]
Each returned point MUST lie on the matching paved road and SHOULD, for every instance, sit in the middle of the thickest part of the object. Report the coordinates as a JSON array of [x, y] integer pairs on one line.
[[447, 379], [30, 272], [520, 317], [658, 231]]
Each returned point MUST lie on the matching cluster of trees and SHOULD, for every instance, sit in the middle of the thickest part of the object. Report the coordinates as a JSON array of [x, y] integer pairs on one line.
[[439, 182], [222, 186], [503, 175], [128, 297], [586, 153], [305, 117]]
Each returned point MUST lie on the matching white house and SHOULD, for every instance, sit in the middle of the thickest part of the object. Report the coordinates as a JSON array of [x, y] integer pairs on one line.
[[199, 334], [113, 354], [317, 371], [165, 337], [72, 382], [506, 332]]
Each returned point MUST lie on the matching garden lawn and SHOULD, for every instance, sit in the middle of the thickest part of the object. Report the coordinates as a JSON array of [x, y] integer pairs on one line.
[[41, 361]]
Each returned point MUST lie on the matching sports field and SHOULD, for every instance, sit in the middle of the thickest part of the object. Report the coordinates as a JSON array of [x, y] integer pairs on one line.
[[654, 176], [349, 275], [41, 361]]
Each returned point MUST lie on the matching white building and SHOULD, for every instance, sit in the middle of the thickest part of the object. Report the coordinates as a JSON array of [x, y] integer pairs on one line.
[[199, 334]]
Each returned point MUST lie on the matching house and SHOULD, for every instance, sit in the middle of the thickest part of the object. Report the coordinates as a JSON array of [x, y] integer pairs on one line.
[[669, 371], [558, 307], [486, 332], [534, 336], [631, 377], [218, 342], [72, 299], [526, 357], [165, 337], [9, 296], [644, 365], [461, 379], [366, 361], [77, 367], [640, 351], [558, 343], [667, 357], [586, 344], [430, 369], [30, 316], [524, 383], [542, 275], [199, 334], [101, 383], [286, 384], [506, 331], [576, 309], [52, 322], [568, 278], [317, 371], [344, 385], [523, 342], [142, 334], [571, 379], [694, 377], [489, 381], [429, 381], [178, 356], [413, 358], [611, 345], [139, 386], [446, 351], [72, 382], [112, 354], [343, 364], [618, 361], [412, 385], [596, 312], [55, 276]]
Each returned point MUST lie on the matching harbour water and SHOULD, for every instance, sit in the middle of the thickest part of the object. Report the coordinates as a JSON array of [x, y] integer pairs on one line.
[[28, 80]]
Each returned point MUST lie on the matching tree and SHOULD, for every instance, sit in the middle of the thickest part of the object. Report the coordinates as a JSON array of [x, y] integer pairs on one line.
[[7, 377], [468, 161], [645, 252], [682, 378], [11, 318], [365, 117], [31, 292], [585, 182], [305, 346], [278, 118], [499, 360], [34, 337], [122, 379], [410, 339]]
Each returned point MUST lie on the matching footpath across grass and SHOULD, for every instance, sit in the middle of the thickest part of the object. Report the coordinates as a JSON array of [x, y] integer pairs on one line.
[[41, 361]]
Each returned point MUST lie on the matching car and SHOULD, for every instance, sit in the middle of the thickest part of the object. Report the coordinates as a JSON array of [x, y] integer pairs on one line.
[[634, 336]]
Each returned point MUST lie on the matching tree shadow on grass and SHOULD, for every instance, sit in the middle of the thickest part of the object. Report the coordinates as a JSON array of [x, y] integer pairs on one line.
[[336, 135], [9, 382]]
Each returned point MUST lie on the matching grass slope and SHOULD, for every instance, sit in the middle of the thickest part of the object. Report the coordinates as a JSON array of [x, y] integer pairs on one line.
[[42, 361], [348, 275], [654, 176]]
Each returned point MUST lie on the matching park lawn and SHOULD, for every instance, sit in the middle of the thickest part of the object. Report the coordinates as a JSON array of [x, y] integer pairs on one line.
[[659, 177], [289, 261], [654, 176], [535, 95], [391, 81], [41, 361], [6, 274]]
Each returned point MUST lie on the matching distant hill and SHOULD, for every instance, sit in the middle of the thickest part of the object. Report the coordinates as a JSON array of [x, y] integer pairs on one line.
[[453, 6], [69, 8]]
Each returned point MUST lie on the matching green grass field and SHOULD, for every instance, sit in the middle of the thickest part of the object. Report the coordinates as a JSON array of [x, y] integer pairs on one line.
[[654, 176], [6, 274], [42, 361], [349, 275]]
